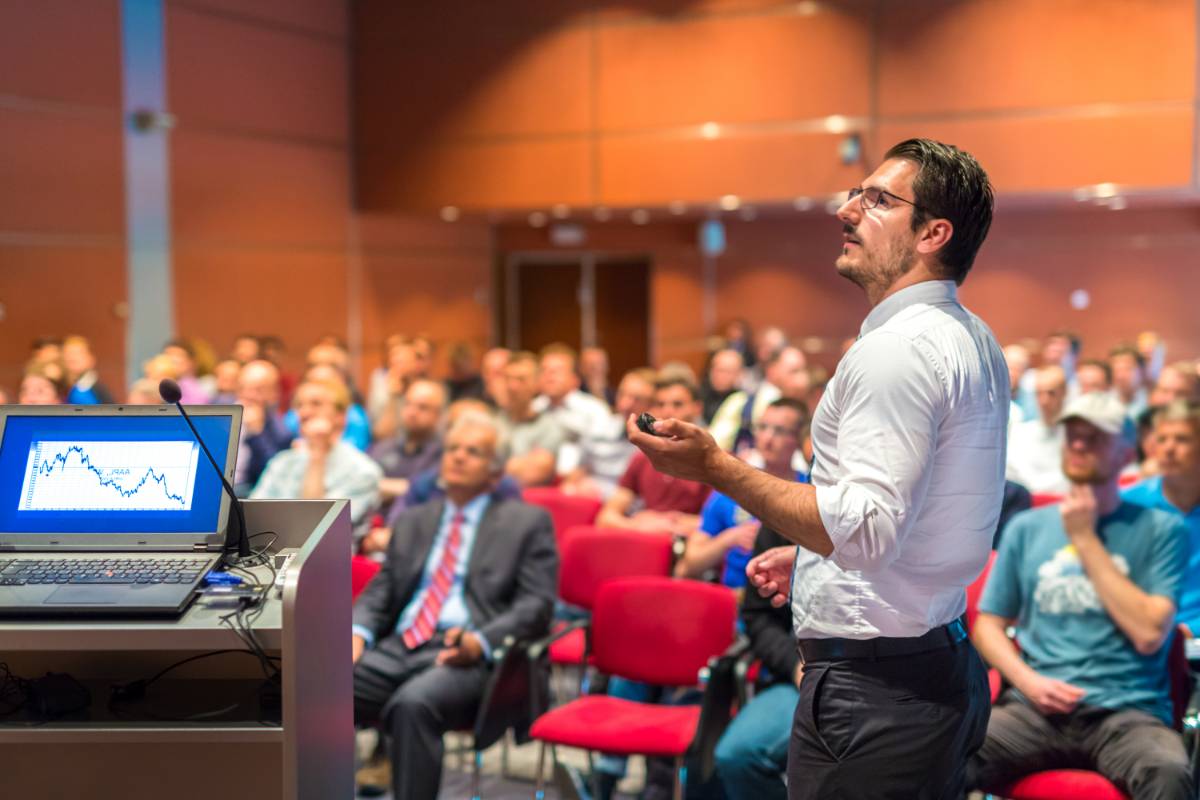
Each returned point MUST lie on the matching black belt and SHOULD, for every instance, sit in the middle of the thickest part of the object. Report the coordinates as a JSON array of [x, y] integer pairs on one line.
[[881, 646]]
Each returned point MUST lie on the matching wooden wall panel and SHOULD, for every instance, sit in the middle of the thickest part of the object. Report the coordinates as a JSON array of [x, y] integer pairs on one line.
[[258, 79], [258, 191], [731, 70], [1145, 150], [760, 166], [297, 295], [1013, 54], [328, 18], [63, 50], [61, 173], [57, 291]]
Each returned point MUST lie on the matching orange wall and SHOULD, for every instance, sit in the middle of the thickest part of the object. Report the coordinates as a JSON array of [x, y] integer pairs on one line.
[[528, 104]]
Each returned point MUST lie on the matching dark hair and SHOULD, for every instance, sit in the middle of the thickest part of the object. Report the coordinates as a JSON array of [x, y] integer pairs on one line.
[[1073, 340], [950, 185], [1126, 349], [1103, 366], [676, 380], [801, 409]]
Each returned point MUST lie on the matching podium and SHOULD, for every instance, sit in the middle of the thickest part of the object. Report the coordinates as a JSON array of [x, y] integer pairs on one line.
[[146, 749]]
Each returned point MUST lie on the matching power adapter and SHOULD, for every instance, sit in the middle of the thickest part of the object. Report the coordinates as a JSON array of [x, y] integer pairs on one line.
[[55, 695]]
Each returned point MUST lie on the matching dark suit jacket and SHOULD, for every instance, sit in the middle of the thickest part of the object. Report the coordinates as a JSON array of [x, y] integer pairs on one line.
[[512, 575]]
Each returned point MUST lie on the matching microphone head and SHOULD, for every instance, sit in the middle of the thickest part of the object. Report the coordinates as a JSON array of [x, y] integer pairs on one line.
[[170, 391]]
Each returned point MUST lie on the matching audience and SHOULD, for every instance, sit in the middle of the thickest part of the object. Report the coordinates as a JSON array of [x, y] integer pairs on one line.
[[385, 398], [264, 431], [43, 384], [464, 379], [495, 382], [1093, 375], [535, 435], [727, 532], [1091, 586], [784, 375], [576, 412], [183, 360], [593, 374], [357, 429], [1178, 381], [1129, 378], [1176, 489], [225, 381], [767, 344], [80, 365], [604, 451], [1035, 446], [461, 576], [1017, 358], [721, 380], [322, 463], [647, 500]]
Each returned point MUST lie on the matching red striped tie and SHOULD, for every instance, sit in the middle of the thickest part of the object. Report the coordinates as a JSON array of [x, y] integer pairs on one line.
[[421, 631]]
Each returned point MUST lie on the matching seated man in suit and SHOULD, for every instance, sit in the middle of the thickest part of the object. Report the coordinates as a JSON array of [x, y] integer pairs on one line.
[[461, 575]]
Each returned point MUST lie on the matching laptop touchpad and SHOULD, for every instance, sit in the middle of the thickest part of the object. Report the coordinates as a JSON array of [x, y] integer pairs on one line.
[[83, 595]]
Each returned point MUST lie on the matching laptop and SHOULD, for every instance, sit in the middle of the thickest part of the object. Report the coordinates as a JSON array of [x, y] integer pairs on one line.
[[110, 510]]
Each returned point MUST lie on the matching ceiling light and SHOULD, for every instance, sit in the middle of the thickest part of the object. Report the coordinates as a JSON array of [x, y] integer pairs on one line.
[[729, 202]]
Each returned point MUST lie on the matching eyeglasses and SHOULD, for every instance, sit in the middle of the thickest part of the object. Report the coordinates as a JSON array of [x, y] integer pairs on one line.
[[872, 196], [763, 427]]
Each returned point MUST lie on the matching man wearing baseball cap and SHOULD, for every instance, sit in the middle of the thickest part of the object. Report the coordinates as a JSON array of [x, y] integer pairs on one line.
[[1091, 586]]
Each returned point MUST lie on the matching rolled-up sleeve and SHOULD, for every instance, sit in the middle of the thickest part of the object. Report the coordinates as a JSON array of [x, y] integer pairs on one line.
[[891, 400]]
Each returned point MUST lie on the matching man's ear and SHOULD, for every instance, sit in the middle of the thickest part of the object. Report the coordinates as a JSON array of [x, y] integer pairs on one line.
[[935, 234]]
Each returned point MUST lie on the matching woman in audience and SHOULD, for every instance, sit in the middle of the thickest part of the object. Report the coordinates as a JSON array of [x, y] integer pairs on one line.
[[44, 384]]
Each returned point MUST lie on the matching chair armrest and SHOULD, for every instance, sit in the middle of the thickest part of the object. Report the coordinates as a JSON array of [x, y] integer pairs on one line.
[[508, 695], [541, 647], [716, 706], [1191, 729]]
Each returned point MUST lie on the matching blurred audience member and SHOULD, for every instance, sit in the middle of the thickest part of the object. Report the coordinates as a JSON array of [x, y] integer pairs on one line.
[[225, 374], [576, 412], [462, 578], [1017, 359], [46, 348], [494, 380], [385, 397], [44, 384], [245, 348], [1176, 489], [722, 379], [144, 392], [752, 753], [535, 436], [767, 345], [182, 356], [740, 339], [425, 350], [80, 365], [322, 464], [593, 371], [4, 397], [605, 451], [418, 447], [646, 499], [1091, 585], [727, 531], [1060, 349], [264, 432], [1093, 375], [160, 367], [785, 375], [1035, 446], [204, 360], [355, 428], [1154, 354], [1178, 381], [464, 379], [329, 350], [1128, 377]]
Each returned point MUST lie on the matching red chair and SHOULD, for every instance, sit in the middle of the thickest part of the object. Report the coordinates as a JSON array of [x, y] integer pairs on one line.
[[589, 557], [362, 569], [567, 511], [1045, 499], [653, 630], [1077, 784]]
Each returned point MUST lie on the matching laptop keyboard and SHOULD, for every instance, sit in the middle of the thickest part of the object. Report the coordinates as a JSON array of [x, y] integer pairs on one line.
[[25, 571]]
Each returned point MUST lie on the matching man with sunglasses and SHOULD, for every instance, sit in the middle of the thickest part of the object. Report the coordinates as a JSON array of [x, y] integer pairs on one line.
[[907, 483]]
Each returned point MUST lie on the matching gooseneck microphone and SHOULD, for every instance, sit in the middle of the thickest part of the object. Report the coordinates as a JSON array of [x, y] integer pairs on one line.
[[235, 531]]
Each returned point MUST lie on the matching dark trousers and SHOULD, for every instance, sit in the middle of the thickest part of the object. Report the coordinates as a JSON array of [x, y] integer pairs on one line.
[[1136, 751], [417, 702], [897, 727]]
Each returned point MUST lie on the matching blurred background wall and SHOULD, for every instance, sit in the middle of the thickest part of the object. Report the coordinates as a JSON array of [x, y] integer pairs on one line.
[[365, 167]]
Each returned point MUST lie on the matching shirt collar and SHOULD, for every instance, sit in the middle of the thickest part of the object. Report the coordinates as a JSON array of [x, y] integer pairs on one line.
[[923, 293], [472, 512]]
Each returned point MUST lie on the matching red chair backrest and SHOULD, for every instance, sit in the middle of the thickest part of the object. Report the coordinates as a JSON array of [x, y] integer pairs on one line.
[[660, 630], [975, 591], [566, 510], [362, 569], [1045, 499], [590, 556]]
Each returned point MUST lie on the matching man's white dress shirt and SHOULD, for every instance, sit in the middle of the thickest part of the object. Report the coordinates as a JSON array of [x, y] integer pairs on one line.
[[909, 443]]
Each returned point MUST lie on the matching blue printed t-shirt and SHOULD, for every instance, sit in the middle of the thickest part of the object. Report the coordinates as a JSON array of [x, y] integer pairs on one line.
[[719, 514], [1149, 493], [1062, 627]]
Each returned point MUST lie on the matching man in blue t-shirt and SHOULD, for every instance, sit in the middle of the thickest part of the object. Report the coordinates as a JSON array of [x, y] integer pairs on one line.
[[1176, 489], [1091, 586], [726, 533]]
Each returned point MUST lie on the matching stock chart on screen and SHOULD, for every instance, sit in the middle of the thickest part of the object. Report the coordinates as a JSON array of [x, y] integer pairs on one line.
[[109, 476]]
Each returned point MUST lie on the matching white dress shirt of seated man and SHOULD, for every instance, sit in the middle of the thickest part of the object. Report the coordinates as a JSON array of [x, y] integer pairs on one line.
[[1035, 446], [673, 399], [535, 437]]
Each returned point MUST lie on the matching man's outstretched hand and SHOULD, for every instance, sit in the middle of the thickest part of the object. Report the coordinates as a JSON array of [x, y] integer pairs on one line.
[[681, 450], [770, 573]]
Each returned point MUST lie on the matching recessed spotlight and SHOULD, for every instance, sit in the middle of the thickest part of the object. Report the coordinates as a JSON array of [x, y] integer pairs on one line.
[[449, 213], [677, 207], [748, 213], [836, 123], [803, 203], [561, 211], [640, 216], [710, 130], [601, 213], [729, 202], [537, 219], [1104, 190]]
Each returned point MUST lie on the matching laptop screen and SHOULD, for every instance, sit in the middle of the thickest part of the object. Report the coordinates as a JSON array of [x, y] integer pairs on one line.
[[113, 470]]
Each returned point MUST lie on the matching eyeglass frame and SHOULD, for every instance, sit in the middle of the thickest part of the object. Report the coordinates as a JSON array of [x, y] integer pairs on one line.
[[778, 430], [861, 194]]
